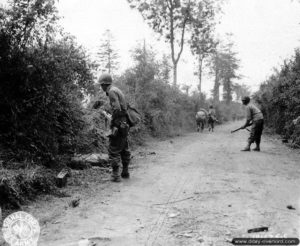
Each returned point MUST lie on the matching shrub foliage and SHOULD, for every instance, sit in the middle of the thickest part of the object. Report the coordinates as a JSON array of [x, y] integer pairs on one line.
[[43, 81], [279, 98]]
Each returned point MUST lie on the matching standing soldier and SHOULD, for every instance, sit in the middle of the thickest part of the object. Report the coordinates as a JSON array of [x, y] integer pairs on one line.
[[118, 139], [211, 118], [200, 119], [256, 119]]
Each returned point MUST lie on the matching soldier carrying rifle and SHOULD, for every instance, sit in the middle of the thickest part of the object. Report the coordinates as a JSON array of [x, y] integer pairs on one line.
[[254, 118]]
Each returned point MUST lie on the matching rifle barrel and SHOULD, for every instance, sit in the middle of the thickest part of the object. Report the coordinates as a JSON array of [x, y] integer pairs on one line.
[[240, 129], [236, 130]]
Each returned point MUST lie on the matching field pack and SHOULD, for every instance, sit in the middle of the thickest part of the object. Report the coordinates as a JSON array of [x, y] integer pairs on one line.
[[134, 117]]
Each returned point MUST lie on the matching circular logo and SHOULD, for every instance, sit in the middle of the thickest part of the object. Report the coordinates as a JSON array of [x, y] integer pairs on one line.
[[21, 229]]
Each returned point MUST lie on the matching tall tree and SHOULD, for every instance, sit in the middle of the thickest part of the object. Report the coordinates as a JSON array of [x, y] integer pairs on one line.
[[143, 72], [215, 72], [231, 67], [224, 70], [107, 55], [169, 18], [202, 42]]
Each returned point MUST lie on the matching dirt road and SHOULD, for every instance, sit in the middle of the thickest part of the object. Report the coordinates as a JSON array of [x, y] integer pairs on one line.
[[199, 189]]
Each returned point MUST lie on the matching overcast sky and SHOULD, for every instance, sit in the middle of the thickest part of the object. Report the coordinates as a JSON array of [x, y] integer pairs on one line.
[[265, 33]]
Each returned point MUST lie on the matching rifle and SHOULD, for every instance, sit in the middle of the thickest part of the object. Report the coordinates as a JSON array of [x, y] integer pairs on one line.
[[240, 128]]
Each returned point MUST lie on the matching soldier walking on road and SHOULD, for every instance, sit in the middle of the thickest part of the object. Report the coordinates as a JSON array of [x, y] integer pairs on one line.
[[118, 139], [211, 118], [256, 119], [201, 119]]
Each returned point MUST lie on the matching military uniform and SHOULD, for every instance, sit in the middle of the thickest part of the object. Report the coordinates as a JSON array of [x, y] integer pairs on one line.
[[211, 118], [118, 143], [200, 119], [257, 118], [118, 149]]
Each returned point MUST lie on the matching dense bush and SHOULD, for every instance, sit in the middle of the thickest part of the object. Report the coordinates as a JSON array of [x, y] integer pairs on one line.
[[43, 81], [44, 76], [279, 98], [19, 186]]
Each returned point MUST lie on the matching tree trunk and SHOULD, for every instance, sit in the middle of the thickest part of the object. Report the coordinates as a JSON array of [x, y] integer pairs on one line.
[[216, 89], [216, 92], [174, 74], [200, 75]]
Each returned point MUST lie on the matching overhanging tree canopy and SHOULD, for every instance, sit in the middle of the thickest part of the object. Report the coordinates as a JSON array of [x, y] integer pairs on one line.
[[172, 19]]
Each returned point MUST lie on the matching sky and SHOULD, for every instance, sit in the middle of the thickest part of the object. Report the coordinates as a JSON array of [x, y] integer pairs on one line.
[[265, 32]]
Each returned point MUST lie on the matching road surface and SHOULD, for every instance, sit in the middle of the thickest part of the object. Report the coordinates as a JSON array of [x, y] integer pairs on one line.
[[199, 189]]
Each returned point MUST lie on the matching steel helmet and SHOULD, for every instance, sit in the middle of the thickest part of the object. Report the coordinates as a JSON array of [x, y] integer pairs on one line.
[[246, 99], [105, 79]]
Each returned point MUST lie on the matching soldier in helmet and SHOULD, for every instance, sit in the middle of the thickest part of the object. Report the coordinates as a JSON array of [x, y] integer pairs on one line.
[[256, 119], [118, 142]]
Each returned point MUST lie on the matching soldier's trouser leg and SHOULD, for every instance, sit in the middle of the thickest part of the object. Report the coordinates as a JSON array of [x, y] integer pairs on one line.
[[250, 139], [125, 157], [116, 146], [211, 125], [258, 128], [255, 134], [198, 125], [202, 125]]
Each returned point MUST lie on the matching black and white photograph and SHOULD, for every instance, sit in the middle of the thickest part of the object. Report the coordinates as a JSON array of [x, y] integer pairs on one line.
[[149, 122]]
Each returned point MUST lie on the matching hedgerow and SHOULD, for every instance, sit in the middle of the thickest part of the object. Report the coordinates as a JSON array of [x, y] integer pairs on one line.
[[279, 97]]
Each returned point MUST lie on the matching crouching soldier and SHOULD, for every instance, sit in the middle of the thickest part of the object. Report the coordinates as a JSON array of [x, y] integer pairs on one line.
[[118, 139], [256, 119]]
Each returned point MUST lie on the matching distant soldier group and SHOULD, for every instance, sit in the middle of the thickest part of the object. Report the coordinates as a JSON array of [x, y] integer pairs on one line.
[[254, 118], [203, 117]]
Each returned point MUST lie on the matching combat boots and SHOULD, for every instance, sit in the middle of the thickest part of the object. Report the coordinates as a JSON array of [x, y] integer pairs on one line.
[[125, 174], [115, 176], [247, 148], [257, 148]]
